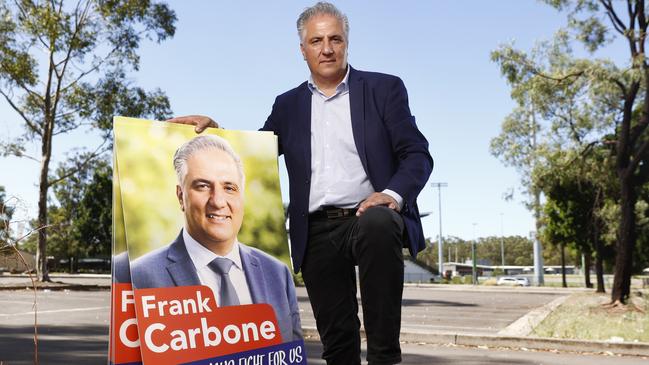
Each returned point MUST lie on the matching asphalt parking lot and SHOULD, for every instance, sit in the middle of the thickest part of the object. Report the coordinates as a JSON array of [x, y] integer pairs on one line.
[[73, 327]]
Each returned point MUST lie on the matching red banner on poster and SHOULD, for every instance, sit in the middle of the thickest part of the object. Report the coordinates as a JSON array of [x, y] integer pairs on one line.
[[124, 340], [183, 324]]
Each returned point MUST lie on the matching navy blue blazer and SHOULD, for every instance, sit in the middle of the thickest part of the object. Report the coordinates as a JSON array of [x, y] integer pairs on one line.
[[392, 150], [269, 280]]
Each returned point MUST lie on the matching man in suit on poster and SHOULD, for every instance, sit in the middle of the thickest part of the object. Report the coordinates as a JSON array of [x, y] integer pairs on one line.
[[356, 163], [206, 252]]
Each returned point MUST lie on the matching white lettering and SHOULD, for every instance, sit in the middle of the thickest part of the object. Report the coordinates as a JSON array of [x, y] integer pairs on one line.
[[202, 303], [247, 328], [127, 298], [146, 305], [179, 341], [267, 330], [206, 334], [149, 342], [228, 330], [122, 333]]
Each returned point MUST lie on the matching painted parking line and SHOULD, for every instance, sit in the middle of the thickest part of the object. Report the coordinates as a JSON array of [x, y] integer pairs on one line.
[[55, 311], [17, 302]]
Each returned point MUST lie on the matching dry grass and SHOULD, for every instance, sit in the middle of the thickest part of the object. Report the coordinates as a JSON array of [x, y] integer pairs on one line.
[[586, 316]]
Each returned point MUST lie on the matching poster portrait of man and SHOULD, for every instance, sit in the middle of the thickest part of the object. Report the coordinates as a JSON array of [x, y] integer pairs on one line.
[[185, 208]]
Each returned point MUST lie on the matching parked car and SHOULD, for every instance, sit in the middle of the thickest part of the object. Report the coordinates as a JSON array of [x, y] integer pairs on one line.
[[513, 281], [523, 281]]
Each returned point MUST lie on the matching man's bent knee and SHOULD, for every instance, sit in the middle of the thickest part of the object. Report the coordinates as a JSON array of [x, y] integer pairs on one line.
[[380, 218]]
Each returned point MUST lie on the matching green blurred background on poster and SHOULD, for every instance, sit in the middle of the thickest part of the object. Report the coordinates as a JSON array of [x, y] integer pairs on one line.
[[147, 182]]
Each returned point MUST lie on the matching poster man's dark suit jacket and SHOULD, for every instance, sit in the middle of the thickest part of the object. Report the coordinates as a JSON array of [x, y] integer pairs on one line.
[[269, 280], [392, 150]]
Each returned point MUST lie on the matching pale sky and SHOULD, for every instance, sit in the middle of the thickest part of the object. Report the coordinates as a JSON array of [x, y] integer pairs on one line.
[[230, 59]]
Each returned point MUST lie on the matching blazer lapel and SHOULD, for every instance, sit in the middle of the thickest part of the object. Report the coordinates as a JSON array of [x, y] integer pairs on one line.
[[181, 269], [303, 126], [357, 108], [254, 275]]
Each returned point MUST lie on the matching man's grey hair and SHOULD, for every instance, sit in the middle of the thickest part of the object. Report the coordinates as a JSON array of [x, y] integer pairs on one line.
[[202, 143], [319, 9]]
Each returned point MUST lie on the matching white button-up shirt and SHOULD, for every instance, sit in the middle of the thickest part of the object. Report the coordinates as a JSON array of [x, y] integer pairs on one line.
[[201, 257], [337, 174]]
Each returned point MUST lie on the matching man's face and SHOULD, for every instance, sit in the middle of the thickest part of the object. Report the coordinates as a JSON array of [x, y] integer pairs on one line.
[[212, 199], [324, 48]]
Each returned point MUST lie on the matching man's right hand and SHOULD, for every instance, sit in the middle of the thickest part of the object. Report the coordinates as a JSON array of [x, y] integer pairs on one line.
[[199, 121]]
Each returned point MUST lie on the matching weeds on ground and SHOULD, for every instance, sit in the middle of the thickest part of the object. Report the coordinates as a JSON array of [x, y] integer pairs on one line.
[[586, 316]]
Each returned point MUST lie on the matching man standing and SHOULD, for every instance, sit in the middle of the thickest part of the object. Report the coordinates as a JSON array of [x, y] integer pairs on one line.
[[356, 164]]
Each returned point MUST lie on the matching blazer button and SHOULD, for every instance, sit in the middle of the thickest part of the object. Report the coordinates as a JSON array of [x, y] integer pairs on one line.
[[307, 181]]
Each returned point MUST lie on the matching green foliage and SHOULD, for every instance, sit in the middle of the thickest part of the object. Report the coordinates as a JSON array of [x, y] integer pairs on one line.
[[580, 110], [64, 65], [6, 212], [518, 251], [81, 216]]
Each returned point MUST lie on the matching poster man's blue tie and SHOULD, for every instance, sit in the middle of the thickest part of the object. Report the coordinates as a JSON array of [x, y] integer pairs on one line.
[[227, 293]]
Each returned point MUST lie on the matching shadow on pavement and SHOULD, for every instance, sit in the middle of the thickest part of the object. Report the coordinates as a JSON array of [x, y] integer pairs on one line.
[[56, 345], [437, 303], [314, 350]]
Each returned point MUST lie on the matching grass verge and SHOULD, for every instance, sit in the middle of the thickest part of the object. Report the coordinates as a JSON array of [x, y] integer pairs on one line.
[[585, 316]]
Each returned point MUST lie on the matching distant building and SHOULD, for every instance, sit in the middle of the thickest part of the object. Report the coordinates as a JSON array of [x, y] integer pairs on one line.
[[463, 269], [414, 273], [11, 262]]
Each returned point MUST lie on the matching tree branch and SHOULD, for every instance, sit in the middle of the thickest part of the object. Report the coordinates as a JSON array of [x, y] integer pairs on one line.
[[78, 24], [79, 166], [71, 128], [642, 25], [26, 16], [558, 79], [29, 123], [618, 24], [640, 156]]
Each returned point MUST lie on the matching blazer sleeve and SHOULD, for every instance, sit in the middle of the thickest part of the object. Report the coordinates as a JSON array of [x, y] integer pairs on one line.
[[272, 125], [409, 146]]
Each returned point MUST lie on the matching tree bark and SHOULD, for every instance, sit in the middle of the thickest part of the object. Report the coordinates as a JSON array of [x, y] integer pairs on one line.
[[625, 241], [599, 249], [563, 265], [587, 265], [43, 186], [599, 269]]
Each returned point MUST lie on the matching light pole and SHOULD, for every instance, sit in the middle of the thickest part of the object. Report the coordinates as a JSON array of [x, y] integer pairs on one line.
[[473, 258], [502, 244], [538, 259], [440, 252]]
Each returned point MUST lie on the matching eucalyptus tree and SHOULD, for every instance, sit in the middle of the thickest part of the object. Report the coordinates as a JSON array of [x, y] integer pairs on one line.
[[615, 102], [63, 66]]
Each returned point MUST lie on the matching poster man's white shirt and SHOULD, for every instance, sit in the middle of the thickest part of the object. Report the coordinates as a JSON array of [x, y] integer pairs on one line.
[[201, 257]]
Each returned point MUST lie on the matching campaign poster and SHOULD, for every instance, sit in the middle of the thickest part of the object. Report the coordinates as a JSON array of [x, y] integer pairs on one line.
[[183, 199], [124, 345]]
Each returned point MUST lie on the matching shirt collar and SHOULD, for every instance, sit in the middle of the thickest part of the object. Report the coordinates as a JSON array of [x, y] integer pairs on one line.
[[342, 87], [201, 256]]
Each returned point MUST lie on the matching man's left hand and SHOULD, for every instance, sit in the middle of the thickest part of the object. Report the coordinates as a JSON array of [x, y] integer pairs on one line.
[[377, 199]]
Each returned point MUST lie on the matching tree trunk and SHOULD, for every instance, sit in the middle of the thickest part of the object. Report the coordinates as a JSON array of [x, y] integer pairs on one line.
[[587, 265], [41, 252], [625, 241], [599, 270], [599, 249], [43, 186], [563, 265]]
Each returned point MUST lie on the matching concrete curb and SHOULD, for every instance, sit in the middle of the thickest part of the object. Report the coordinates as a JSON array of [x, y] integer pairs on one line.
[[537, 343], [79, 287], [523, 326]]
